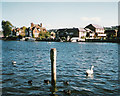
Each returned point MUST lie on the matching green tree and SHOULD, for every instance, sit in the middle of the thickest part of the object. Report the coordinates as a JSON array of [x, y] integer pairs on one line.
[[23, 31], [24, 28], [6, 26], [47, 34]]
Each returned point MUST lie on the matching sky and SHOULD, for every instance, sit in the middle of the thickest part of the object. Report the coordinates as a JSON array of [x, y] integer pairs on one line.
[[54, 15]]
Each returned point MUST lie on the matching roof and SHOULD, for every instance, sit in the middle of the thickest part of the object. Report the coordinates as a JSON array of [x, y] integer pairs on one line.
[[87, 29], [82, 30], [97, 26]]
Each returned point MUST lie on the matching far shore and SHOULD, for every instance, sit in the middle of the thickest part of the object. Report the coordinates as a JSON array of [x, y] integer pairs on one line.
[[48, 40]]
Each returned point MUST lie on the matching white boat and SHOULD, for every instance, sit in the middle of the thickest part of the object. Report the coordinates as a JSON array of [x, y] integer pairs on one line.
[[31, 39], [23, 39], [74, 39]]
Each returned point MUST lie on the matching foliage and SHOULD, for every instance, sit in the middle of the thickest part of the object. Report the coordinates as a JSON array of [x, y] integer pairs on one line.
[[6, 26], [47, 35], [83, 37], [33, 35], [63, 38], [24, 28], [44, 35]]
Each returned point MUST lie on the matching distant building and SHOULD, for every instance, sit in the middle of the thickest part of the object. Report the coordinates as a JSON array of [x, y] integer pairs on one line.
[[18, 31], [28, 32], [82, 33], [96, 28], [53, 35], [22, 31], [95, 31], [67, 33], [111, 32], [35, 30]]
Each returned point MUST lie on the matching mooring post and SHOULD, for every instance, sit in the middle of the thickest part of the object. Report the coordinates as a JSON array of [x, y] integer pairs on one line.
[[53, 66]]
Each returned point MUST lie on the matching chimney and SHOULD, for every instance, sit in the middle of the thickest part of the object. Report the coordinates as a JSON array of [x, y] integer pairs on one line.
[[40, 24]]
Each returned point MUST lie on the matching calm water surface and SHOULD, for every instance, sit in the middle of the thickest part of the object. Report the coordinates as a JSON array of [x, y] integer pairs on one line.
[[73, 59]]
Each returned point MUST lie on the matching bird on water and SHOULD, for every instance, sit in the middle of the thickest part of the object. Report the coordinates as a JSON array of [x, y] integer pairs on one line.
[[30, 82], [67, 92], [46, 81], [66, 82], [89, 72], [14, 62]]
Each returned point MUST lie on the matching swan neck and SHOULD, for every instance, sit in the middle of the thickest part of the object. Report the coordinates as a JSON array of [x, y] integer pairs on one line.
[[91, 68]]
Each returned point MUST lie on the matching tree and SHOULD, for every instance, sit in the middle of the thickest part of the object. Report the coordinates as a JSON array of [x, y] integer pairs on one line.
[[6, 26], [23, 31], [118, 34]]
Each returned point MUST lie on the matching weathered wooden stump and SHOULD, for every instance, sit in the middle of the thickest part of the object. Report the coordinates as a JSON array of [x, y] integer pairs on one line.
[[53, 66]]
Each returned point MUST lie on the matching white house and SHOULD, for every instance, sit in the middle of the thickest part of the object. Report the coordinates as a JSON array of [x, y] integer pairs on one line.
[[96, 31], [82, 33]]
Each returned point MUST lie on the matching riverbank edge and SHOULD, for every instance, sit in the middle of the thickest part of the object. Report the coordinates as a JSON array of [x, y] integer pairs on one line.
[[86, 40]]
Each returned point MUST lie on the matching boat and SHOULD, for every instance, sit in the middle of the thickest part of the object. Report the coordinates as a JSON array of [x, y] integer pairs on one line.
[[23, 39], [31, 39], [74, 39]]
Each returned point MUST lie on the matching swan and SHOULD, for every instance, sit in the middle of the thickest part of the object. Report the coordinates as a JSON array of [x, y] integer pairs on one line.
[[14, 62], [89, 71]]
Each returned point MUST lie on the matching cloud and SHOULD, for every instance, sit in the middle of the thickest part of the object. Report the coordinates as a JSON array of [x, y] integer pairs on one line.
[[91, 19]]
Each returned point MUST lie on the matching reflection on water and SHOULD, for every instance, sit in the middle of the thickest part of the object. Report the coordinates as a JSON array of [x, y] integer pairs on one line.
[[73, 59], [90, 76]]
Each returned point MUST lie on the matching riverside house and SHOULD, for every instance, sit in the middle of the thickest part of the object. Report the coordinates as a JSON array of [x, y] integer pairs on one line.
[[35, 30], [82, 33], [67, 33], [95, 31], [17, 32]]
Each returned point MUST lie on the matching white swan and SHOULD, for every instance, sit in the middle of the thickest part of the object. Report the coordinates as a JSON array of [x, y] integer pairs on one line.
[[89, 71], [14, 62]]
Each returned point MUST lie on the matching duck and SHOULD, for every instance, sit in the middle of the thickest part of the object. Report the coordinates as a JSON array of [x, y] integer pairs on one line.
[[67, 92], [66, 82], [89, 72], [46, 81], [30, 82]]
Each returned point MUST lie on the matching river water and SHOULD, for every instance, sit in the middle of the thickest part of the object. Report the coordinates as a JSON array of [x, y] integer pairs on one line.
[[73, 59]]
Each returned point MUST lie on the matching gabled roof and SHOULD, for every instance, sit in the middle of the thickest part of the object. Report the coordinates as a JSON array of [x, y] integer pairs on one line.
[[97, 26], [82, 30], [87, 29]]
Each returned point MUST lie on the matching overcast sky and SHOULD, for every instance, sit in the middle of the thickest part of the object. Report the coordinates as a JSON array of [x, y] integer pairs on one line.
[[60, 14]]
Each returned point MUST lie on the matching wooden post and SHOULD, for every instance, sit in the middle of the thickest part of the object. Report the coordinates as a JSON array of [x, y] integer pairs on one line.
[[53, 65]]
